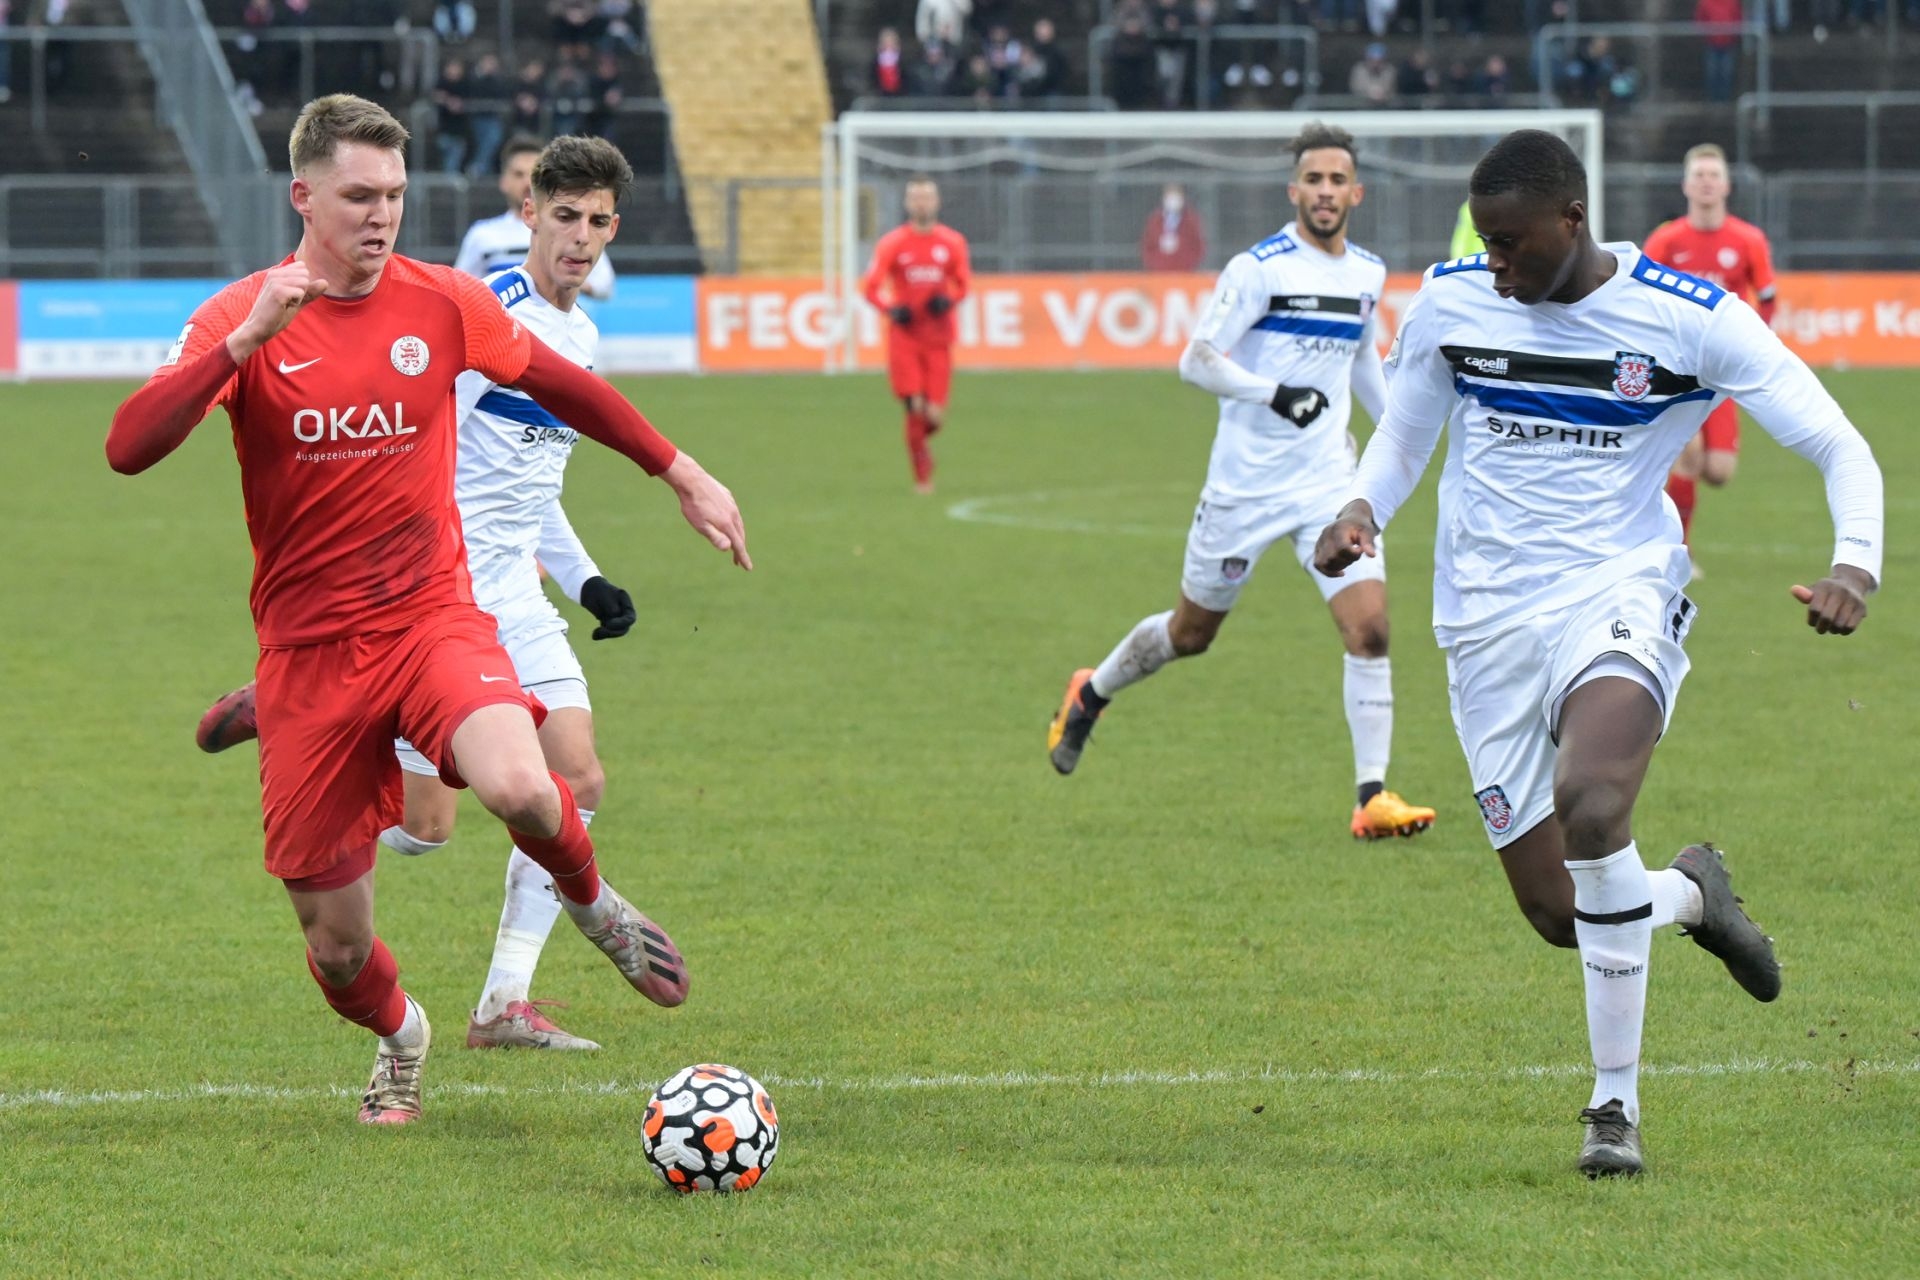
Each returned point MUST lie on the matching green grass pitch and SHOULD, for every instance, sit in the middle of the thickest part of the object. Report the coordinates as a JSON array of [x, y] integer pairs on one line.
[[1163, 1018]]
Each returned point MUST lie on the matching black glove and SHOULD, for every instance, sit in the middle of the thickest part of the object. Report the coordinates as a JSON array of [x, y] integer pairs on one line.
[[938, 305], [611, 605], [1298, 405], [902, 314]]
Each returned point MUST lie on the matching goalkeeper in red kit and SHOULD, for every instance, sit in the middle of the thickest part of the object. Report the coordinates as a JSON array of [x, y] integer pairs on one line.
[[336, 368], [919, 274], [1714, 245]]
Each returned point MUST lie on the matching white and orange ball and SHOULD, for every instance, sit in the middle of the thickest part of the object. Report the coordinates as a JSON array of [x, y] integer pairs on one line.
[[710, 1128]]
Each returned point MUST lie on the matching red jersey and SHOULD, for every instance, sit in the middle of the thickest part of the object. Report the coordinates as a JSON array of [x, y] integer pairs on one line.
[[1735, 256], [343, 423], [915, 266]]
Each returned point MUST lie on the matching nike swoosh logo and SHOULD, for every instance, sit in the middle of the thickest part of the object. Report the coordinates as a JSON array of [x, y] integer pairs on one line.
[[295, 368], [492, 679], [1681, 257]]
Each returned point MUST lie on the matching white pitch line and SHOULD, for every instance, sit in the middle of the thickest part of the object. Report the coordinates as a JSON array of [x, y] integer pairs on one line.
[[994, 1080], [981, 511], [986, 510]]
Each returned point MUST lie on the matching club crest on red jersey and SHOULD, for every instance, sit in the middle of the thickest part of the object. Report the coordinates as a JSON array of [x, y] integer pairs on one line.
[[410, 355], [1632, 375], [1495, 809]]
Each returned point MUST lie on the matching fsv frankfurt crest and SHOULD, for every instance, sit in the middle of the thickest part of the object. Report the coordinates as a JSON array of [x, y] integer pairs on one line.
[[1495, 809], [1632, 375]]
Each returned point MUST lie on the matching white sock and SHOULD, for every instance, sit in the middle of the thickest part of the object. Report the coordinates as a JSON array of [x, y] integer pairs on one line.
[[1369, 694], [397, 839], [526, 918], [1613, 921], [1676, 899], [1147, 648], [411, 1035]]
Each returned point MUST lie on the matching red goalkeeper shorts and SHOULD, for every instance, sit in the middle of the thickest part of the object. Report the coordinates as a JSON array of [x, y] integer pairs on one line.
[[919, 369], [1721, 431], [329, 779]]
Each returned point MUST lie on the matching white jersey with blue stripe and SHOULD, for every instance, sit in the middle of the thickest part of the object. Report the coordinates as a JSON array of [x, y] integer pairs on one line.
[[1563, 422], [512, 462], [1288, 311], [501, 242]]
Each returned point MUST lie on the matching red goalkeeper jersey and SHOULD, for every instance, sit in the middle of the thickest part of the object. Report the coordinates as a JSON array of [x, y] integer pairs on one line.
[[1735, 256], [909, 268], [343, 423]]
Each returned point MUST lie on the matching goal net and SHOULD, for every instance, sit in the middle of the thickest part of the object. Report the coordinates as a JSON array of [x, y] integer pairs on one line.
[[1040, 192]]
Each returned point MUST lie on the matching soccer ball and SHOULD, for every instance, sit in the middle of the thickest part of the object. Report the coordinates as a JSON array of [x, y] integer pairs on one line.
[[710, 1128]]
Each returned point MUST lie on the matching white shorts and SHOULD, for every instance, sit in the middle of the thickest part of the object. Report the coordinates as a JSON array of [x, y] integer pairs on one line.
[[1227, 540], [1507, 689], [536, 640]]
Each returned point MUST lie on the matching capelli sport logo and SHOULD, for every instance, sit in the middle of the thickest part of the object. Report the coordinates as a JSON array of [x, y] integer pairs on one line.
[[1491, 366]]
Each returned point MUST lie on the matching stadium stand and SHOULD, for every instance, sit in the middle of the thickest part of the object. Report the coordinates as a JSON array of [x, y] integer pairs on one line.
[[747, 108]]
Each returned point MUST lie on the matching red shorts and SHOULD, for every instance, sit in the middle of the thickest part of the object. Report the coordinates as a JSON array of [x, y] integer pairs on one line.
[[1721, 431], [328, 713], [919, 369]]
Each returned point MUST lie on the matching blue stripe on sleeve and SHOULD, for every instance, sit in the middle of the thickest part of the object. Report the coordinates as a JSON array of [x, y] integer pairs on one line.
[[516, 409], [510, 288], [1310, 328], [1575, 410]]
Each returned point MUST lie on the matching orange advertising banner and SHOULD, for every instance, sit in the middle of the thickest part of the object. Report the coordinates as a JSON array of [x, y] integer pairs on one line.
[[1139, 320], [1105, 321]]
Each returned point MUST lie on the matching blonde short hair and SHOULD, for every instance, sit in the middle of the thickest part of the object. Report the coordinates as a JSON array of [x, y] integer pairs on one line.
[[1705, 151], [327, 122]]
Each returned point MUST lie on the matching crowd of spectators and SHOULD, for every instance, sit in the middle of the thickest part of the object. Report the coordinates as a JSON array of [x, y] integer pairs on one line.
[[386, 62], [577, 87], [570, 82], [1150, 53], [970, 49]]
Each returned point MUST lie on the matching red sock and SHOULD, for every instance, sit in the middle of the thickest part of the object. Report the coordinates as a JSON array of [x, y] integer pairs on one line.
[[1682, 490], [374, 998], [567, 855], [917, 450]]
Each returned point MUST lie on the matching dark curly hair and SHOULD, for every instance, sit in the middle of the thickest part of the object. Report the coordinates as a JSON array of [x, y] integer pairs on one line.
[[1317, 136]]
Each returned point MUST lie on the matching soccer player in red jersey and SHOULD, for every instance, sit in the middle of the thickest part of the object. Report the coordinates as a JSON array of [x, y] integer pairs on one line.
[[1714, 245], [919, 274], [336, 368]]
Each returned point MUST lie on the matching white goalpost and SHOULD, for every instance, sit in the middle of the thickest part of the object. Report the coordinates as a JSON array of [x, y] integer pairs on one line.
[[1063, 191]]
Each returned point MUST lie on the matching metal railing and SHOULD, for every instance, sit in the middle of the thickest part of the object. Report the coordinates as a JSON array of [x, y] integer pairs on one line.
[[1858, 221], [418, 50], [1661, 34], [1053, 102], [1753, 112], [98, 226], [419, 53], [1100, 42], [194, 94], [1440, 101], [90, 226]]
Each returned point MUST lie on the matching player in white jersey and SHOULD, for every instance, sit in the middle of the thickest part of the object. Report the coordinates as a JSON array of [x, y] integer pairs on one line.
[[1570, 375], [503, 241], [1287, 344], [511, 462]]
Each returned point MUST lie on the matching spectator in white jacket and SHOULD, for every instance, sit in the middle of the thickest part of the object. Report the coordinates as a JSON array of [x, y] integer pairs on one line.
[[941, 19]]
